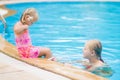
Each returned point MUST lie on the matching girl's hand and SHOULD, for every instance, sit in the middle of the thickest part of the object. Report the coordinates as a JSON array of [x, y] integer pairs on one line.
[[84, 62]]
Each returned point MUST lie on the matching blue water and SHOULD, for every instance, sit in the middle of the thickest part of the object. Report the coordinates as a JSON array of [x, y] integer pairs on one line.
[[64, 27]]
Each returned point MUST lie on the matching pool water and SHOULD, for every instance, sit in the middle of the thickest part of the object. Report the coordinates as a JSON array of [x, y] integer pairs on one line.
[[64, 27]]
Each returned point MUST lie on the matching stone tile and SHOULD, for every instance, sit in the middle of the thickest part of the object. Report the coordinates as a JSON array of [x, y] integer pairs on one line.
[[8, 69], [20, 75]]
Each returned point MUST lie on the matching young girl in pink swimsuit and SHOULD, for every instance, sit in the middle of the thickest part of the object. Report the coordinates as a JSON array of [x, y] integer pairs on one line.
[[23, 40]]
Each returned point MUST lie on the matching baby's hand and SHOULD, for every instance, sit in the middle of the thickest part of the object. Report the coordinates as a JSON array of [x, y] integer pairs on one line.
[[26, 27]]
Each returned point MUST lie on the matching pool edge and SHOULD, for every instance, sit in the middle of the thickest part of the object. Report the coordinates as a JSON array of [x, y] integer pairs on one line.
[[23, 1]]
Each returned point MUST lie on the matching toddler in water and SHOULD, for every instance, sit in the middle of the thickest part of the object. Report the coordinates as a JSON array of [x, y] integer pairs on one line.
[[92, 51], [23, 40]]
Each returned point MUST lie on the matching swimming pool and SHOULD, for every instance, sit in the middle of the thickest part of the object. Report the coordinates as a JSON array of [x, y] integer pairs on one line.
[[64, 27]]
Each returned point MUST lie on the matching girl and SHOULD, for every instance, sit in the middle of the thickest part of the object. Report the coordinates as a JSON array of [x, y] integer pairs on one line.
[[23, 40], [92, 52], [95, 64]]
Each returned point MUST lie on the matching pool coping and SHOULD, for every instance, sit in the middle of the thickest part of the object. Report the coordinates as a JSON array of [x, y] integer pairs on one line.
[[3, 2]]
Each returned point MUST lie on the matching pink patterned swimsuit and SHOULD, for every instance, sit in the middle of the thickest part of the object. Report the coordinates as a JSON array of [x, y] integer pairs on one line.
[[24, 45]]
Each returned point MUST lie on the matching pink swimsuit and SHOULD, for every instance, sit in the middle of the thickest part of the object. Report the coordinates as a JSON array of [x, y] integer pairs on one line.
[[24, 45]]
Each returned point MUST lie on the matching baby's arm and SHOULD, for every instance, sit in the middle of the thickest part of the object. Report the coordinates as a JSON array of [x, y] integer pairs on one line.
[[19, 29]]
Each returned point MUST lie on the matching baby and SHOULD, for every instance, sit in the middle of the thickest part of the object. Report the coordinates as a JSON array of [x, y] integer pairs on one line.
[[22, 37]]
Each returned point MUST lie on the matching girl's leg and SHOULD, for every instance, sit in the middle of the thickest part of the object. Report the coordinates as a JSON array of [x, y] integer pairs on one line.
[[45, 52]]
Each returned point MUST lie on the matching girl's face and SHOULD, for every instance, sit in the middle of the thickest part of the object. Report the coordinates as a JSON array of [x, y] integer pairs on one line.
[[87, 52], [29, 20]]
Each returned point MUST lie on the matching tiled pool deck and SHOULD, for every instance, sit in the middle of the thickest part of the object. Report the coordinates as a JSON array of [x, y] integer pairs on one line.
[[11, 69]]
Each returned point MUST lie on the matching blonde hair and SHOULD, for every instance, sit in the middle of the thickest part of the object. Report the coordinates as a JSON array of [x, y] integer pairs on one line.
[[30, 11], [96, 46]]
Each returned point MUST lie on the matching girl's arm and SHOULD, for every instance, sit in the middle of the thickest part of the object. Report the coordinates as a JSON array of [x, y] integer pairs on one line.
[[84, 62], [19, 29]]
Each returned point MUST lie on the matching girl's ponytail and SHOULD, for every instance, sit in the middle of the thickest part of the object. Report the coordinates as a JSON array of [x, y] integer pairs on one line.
[[101, 59]]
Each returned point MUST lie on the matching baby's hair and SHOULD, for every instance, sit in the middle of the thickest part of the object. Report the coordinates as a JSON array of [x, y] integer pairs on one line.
[[96, 46], [30, 11]]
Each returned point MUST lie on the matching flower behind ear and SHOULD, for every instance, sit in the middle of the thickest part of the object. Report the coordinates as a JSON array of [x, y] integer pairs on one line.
[[30, 11]]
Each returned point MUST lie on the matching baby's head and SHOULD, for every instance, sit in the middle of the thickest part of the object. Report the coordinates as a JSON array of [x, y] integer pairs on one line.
[[29, 16], [93, 48]]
